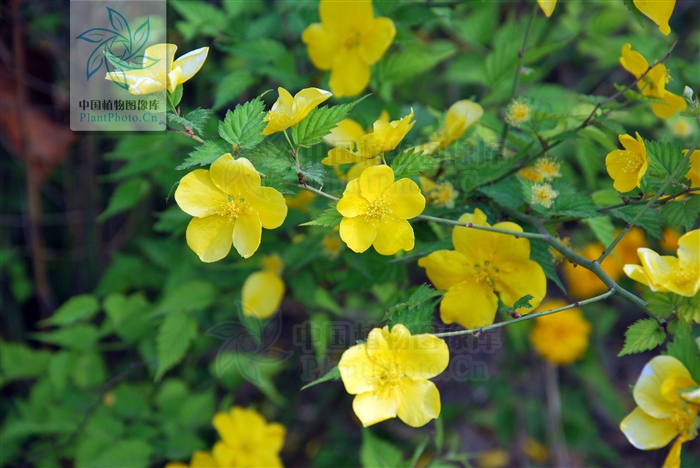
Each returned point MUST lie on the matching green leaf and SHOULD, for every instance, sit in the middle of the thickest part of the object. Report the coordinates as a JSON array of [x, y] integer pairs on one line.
[[376, 452], [173, 340], [606, 197], [133, 453], [417, 312], [635, 11], [231, 86], [574, 204], [80, 337], [522, 303], [129, 315], [126, 196], [75, 309], [205, 154], [410, 163], [642, 335], [328, 218], [313, 171], [684, 348], [175, 97], [198, 118], [193, 296], [507, 193], [19, 361], [539, 252], [243, 127], [661, 304], [333, 374], [681, 212], [603, 228], [320, 122], [650, 220], [412, 61], [501, 63], [664, 159]]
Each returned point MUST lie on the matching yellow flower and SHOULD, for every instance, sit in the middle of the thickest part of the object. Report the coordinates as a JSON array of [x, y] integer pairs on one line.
[[518, 113], [680, 275], [494, 458], [159, 72], [247, 439], [263, 290], [331, 246], [653, 84], [670, 242], [288, 111], [229, 207], [460, 116], [628, 166], [441, 195], [659, 11], [347, 41], [375, 210], [694, 172], [385, 136], [535, 451], [680, 127], [482, 265], [543, 194], [389, 374], [549, 168], [560, 338], [300, 201], [531, 174], [547, 6], [661, 412], [199, 459]]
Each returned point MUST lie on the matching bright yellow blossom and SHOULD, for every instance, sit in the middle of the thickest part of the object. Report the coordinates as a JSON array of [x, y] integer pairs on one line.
[[347, 41], [263, 290], [653, 84], [482, 265], [375, 211], [247, 439], [663, 410], [460, 116], [440, 195], [389, 376], [288, 111], [560, 338], [694, 172], [680, 275], [547, 6], [229, 207], [659, 11], [628, 166], [158, 71], [385, 136], [543, 194], [518, 113], [199, 459]]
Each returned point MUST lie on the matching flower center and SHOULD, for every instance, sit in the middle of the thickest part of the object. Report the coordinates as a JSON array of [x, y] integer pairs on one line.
[[633, 161], [353, 38], [685, 274], [232, 209], [377, 209], [484, 274]]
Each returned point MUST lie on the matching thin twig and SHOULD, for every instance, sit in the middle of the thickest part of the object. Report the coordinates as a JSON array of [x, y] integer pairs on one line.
[[481, 227]]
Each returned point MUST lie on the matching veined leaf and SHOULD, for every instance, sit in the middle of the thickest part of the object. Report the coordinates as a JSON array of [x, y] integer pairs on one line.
[[243, 127], [320, 122], [642, 335]]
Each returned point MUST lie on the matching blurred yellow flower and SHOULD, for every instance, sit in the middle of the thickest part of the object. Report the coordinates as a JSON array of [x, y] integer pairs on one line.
[[659, 11], [547, 6], [494, 458], [375, 211], [247, 439], [347, 41], [331, 246], [229, 207], [548, 167], [663, 412], [440, 195], [654, 83], [385, 136], [628, 166], [670, 242], [199, 459], [389, 374], [680, 126], [483, 265], [288, 111], [518, 113], [531, 174], [694, 171], [680, 275], [535, 451], [263, 290], [460, 116], [300, 201], [159, 72], [543, 194], [560, 338]]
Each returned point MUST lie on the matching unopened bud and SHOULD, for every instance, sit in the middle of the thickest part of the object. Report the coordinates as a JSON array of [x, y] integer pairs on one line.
[[688, 94]]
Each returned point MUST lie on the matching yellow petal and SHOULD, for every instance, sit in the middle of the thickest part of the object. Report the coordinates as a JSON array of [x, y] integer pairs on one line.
[[547, 6], [374, 181], [615, 162], [445, 268], [672, 104], [393, 235], [358, 168], [281, 113], [197, 195], [139, 81], [191, 63], [659, 11], [633, 61], [357, 233], [424, 356], [516, 279], [210, 237], [646, 432], [225, 455], [472, 305], [349, 74], [262, 294], [228, 430], [236, 177], [373, 407], [343, 16], [673, 459], [647, 390], [636, 272], [689, 247], [358, 372], [270, 206], [305, 101], [352, 203], [202, 459], [626, 181], [694, 171], [173, 77], [322, 44], [339, 156], [247, 231], [160, 53], [419, 403], [375, 41], [274, 437], [658, 269], [345, 134], [460, 116], [407, 201]]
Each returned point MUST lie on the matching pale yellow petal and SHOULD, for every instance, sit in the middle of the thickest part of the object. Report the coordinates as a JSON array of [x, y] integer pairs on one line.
[[339, 156], [274, 437], [342, 15], [210, 237], [393, 235], [658, 269], [633, 61], [472, 305], [547, 6], [406, 198], [460, 116], [270, 206], [673, 459], [646, 432], [419, 403], [236, 177], [358, 168], [358, 372], [191, 63], [376, 40], [349, 74], [373, 407], [247, 231], [345, 134], [322, 44], [139, 82], [659, 11], [445, 268], [374, 181], [160, 52], [647, 390], [357, 233], [262, 294], [689, 247], [636, 272], [197, 195]]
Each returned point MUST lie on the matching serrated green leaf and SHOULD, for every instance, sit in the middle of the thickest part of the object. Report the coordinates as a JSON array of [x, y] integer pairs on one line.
[[650, 221], [198, 118], [320, 122], [416, 313], [508, 193], [193, 296], [329, 218], [175, 97], [333, 374], [312, 171], [19, 361], [409, 63], [231, 86], [603, 228], [173, 340], [662, 305], [126, 196], [205, 154], [522, 303], [642, 335], [75, 309], [243, 127], [681, 212], [574, 204], [664, 158], [606, 197], [684, 348], [80, 336], [410, 163], [376, 453]]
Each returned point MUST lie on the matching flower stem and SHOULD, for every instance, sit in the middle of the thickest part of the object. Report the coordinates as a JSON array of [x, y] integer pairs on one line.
[[317, 192], [528, 317]]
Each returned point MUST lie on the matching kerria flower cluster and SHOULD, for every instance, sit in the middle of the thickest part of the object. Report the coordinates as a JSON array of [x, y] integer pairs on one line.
[[247, 439], [263, 290], [158, 71]]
